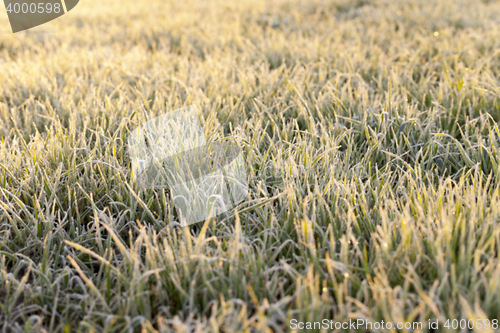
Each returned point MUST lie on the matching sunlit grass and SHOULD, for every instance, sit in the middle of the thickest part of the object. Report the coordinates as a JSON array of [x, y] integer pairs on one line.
[[369, 130]]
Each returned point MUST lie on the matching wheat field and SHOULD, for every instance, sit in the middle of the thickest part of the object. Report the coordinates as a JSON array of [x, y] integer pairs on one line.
[[369, 131]]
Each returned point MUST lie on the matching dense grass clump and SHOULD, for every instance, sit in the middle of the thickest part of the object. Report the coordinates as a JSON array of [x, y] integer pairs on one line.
[[369, 129]]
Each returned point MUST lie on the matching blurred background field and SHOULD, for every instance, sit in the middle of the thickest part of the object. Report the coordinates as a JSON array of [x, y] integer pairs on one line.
[[369, 129]]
